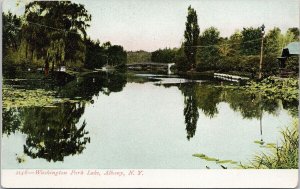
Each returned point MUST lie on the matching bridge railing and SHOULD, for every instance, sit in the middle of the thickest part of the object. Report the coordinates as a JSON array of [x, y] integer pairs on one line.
[[229, 77]]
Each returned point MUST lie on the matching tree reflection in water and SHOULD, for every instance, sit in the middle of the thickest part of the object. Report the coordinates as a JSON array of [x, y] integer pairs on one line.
[[190, 110], [92, 84], [11, 121], [54, 133], [207, 97]]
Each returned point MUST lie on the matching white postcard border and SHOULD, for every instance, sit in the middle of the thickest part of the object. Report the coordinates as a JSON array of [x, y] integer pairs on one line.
[[150, 178]]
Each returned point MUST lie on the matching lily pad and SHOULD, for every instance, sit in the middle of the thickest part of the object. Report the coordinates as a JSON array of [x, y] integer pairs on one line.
[[224, 161], [259, 142], [199, 155]]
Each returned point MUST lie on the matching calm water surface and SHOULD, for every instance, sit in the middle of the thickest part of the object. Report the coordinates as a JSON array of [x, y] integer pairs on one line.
[[122, 121]]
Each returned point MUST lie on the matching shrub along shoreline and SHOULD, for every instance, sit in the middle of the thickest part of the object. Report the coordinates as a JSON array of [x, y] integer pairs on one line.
[[274, 87], [283, 156]]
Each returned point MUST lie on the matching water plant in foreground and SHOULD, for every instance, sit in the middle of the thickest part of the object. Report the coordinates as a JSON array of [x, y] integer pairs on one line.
[[284, 156]]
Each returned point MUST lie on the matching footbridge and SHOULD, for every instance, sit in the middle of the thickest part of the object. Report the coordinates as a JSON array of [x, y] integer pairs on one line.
[[150, 66]]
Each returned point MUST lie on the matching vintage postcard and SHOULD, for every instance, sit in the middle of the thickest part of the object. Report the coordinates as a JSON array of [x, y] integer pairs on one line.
[[150, 94]]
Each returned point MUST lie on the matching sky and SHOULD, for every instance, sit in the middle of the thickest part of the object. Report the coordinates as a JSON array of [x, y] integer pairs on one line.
[[153, 24]]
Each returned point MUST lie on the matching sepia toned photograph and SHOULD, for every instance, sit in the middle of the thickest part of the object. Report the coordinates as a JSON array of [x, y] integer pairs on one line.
[[133, 89]]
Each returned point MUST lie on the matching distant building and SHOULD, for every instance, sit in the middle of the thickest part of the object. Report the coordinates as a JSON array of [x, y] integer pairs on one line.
[[292, 49]]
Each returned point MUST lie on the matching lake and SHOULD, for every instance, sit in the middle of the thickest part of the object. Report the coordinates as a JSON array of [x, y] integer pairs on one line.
[[141, 121]]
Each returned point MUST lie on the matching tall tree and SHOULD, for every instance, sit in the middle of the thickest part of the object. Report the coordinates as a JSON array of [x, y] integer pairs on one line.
[[235, 43], [56, 53], [11, 33], [296, 33], [117, 56], [181, 60], [250, 50], [191, 36], [251, 41], [272, 50], [209, 56], [287, 38], [49, 22], [272, 42], [230, 52], [94, 57]]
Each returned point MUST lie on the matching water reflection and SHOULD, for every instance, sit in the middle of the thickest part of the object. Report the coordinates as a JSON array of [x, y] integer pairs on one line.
[[53, 133], [92, 84], [207, 97], [190, 110], [11, 121], [292, 107]]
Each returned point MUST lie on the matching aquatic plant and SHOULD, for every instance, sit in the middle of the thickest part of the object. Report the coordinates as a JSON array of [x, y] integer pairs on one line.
[[14, 97], [274, 87], [217, 161], [283, 156]]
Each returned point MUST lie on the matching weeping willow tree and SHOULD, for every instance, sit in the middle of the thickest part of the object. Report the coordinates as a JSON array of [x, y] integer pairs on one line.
[[55, 55], [55, 31]]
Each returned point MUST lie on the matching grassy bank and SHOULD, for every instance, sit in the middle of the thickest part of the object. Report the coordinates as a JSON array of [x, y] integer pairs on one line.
[[284, 156]]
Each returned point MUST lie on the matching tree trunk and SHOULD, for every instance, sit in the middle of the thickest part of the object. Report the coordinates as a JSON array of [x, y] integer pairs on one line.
[[15, 46], [46, 67], [59, 64], [26, 50], [52, 69], [32, 51]]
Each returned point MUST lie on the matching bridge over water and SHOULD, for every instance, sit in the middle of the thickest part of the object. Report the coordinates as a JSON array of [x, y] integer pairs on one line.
[[151, 65]]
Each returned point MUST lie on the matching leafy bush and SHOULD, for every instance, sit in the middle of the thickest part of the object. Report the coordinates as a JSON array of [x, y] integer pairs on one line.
[[273, 87], [284, 156]]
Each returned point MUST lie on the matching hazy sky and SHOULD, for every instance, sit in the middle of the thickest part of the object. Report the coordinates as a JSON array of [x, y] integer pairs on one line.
[[152, 24]]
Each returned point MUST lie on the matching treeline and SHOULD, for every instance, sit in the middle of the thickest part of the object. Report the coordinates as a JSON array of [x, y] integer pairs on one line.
[[208, 51], [166, 55], [138, 56], [98, 55], [239, 52], [51, 34]]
